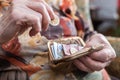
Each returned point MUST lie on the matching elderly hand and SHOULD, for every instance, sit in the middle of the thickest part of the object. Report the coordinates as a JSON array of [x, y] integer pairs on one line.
[[97, 60], [23, 14]]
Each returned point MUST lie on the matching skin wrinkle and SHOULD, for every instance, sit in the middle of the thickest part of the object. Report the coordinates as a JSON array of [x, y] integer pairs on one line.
[[13, 14], [89, 64], [42, 10], [83, 64], [50, 11], [105, 47], [103, 58], [97, 60], [35, 21]]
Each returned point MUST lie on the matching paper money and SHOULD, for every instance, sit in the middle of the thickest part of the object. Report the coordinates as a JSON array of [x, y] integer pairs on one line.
[[66, 49], [75, 48], [71, 49], [60, 51], [57, 50]]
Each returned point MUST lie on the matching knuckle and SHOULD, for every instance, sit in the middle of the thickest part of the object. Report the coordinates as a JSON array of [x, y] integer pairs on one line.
[[101, 66], [14, 14], [98, 68], [36, 20], [50, 8], [113, 53], [42, 6], [42, 1], [108, 55], [37, 30], [99, 36]]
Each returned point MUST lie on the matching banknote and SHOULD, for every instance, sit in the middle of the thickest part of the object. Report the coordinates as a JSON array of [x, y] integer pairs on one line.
[[57, 50], [71, 48], [61, 50], [66, 49]]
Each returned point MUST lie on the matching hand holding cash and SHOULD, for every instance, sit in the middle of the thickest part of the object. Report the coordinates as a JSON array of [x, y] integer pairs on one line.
[[96, 60], [63, 52], [68, 52]]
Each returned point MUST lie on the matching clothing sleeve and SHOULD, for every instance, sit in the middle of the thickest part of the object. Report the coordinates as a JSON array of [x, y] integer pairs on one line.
[[87, 32], [8, 27], [85, 28]]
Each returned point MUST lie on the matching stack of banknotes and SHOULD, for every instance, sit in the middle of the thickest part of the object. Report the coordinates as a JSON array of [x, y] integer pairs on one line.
[[61, 50]]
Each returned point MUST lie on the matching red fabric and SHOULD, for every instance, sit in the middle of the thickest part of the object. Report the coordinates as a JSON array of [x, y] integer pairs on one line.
[[30, 69], [13, 46], [65, 4], [105, 75], [78, 25], [66, 30]]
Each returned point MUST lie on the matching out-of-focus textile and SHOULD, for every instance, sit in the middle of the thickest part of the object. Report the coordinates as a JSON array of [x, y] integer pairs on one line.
[[26, 58]]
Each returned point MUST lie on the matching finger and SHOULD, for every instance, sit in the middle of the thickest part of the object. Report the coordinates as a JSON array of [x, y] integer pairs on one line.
[[102, 55], [49, 9], [106, 54], [23, 29], [36, 26], [41, 8], [81, 66], [97, 39], [92, 64], [31, 21]]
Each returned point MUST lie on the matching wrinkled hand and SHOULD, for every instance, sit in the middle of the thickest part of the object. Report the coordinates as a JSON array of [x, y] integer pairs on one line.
[[97, 60], [23, 14], [32, 13]]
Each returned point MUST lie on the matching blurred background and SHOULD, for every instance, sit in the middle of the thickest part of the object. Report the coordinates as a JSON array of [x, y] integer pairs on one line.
[[105, 16]]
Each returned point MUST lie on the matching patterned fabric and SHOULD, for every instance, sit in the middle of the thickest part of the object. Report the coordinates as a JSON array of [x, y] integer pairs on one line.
[[69, 26], [32, 64], [26, 58]]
